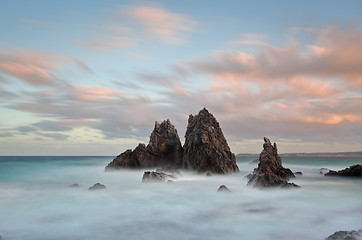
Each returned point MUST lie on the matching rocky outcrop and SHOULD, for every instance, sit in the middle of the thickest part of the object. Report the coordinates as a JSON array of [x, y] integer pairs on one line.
[[157, 177], [205, 148], [352, 171], [97, 186], [163, 150], [223, 188], [270, 172], [346, 235]]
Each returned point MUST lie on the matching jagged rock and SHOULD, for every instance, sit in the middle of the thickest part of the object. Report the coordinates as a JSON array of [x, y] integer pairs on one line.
[[346, 235], [157, 177], [163, 150], [223, 188], [97, 186], [75, 185], [270, 172], [352, 171], [205, 148]]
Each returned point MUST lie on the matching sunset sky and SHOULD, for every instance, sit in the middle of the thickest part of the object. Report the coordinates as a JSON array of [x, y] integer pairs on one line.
[[92, 77]]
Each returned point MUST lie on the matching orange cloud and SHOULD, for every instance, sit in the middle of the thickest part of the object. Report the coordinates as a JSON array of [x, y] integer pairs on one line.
[[161, 23]]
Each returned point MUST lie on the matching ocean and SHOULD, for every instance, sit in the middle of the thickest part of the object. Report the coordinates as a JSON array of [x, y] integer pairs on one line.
[[36, 202]]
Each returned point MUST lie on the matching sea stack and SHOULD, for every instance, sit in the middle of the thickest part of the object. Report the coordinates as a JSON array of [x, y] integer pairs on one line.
[[270, 172], [163, 150], [205, 148]]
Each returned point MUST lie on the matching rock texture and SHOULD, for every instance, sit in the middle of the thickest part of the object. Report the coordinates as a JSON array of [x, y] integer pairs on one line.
[[352, 171], [163, 150], [270, 172], [97, 186], [205, 148], [346, 235], [157, 177]]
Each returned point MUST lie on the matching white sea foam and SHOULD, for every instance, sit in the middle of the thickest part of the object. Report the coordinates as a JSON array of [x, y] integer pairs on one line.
[[37, 203]]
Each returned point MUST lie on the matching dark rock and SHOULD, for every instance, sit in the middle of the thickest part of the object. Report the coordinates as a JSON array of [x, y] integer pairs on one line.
[[298, 173], [209, 174], [75, 185], [97, 186], [163, 150], [346, 235], [223, 188], [157, 177], [352, 171], [270, 172], [205, 148]]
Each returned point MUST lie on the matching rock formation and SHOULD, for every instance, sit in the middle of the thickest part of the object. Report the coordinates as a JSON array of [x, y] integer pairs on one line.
[[346, 235], [97, 186], [163, 150], [352, 171], [157, 177], [205, 148], [270, 172]]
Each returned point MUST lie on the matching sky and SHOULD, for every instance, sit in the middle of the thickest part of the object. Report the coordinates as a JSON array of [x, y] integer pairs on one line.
[[91, 77]]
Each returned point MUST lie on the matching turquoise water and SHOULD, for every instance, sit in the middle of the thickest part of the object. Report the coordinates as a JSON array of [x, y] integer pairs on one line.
[[37, 203]]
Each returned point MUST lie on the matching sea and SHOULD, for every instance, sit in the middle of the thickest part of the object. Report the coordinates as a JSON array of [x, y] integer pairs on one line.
[[37, 202]]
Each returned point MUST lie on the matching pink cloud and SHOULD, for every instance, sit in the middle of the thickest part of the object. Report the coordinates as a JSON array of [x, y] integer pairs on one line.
[[105, 44], [167, 26], [94, 94]]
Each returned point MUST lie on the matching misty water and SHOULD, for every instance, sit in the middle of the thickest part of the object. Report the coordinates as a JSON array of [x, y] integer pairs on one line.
[[37, 203]]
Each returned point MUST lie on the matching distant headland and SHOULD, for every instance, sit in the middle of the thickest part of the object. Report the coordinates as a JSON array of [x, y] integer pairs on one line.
[[317, 154]]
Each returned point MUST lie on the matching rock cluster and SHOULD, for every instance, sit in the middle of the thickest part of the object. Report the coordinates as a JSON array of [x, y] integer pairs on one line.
[[352, 171], [270, 172], [205, 148], [346, 235], [163, 150]]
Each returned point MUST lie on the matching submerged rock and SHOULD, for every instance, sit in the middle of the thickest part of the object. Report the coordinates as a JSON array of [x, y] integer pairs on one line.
[[163, 150], [352, 171], [270, 172], [97, 186], [149, 176], [74, 185], [223, 188], [205, 148], [298, 173], [346, 235]]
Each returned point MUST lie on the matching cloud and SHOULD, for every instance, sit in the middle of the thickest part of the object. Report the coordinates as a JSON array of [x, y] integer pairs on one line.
[[53, 126], [105, 44], [160, 23], [36, 68]]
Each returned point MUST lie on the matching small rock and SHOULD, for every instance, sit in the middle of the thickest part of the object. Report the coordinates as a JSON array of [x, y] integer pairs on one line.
[[97, 186], [298, 173], [223, 188], [209, 174], [346, 235], [156, 177], [75, 185]]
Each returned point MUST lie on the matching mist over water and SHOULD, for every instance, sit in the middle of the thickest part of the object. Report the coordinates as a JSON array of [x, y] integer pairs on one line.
[[37, 203]]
